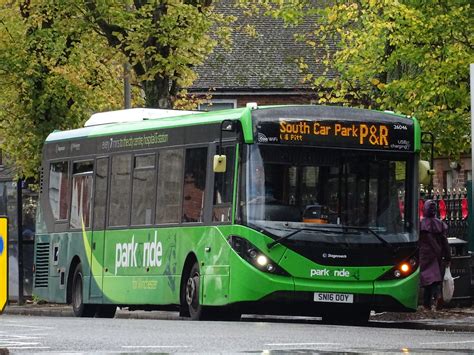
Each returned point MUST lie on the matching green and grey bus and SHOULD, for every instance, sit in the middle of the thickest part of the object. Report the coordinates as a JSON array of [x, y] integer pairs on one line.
[[296, 210]]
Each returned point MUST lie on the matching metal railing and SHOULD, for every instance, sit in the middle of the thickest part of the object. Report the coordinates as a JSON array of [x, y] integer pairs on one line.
[[452, 209]]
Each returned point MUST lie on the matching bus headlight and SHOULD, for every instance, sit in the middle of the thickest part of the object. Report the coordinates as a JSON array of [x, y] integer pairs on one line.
[[254, 256], [401, 270], [262, 260]]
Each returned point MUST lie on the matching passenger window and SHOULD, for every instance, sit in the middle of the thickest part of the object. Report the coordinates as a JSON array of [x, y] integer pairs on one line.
[[223, 189], [120, 184], [170, 175], [81, 194], [143, 191], [59, 189], [100, 199], [194, 183]]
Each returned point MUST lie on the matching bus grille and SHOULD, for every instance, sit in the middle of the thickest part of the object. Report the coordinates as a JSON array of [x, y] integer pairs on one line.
[[42, 264]]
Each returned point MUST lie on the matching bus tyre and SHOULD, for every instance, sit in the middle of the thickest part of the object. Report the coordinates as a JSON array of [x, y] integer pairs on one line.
[[78, 307], [196, 310], [106, 311]]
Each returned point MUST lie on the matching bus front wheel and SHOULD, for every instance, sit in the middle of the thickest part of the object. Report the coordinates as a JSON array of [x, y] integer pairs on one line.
[[196, 310], [78, 307]]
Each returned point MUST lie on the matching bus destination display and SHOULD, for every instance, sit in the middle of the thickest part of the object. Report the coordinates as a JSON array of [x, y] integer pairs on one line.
[[392, 136]]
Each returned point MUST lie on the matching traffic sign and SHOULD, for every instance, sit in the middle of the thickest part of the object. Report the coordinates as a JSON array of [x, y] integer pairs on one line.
[[3, 262]]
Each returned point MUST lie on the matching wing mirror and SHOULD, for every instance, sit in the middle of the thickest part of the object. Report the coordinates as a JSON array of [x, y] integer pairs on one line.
[[425, 172], [220, 160]]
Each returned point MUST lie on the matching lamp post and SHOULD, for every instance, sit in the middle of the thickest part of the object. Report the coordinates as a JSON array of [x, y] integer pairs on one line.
[[127, 102], [19, 195]]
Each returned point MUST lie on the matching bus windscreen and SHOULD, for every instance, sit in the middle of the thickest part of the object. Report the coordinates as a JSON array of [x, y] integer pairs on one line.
[[300, 187]]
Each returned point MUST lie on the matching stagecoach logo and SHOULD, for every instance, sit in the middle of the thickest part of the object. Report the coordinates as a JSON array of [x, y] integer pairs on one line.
[[334, 256], [126, 254]]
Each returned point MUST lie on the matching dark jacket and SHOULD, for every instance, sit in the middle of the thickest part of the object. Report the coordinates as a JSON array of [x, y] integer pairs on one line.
[[434, 247]]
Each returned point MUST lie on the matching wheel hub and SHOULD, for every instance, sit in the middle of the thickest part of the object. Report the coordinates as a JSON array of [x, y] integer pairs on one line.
[[190, 291]]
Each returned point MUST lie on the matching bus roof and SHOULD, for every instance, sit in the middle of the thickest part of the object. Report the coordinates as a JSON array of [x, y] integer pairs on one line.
[[149, 122], [142, 120]]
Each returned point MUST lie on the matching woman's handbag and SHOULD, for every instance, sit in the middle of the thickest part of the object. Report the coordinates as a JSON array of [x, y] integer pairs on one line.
[[448, 285]]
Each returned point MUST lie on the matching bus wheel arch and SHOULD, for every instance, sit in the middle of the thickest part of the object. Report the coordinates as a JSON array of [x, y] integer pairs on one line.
[[72, 268], [79, 308]]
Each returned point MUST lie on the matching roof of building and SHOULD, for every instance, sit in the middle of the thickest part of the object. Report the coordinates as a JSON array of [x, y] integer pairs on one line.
[[267, 61]]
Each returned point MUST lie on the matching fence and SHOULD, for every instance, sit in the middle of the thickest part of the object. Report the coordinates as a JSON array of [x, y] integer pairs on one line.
[[452, 209]]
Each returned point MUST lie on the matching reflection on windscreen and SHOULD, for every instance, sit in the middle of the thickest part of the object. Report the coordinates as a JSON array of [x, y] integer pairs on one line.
[[326, 187]]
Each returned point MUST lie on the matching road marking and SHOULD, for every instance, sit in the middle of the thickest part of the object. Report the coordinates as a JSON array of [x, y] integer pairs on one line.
[[27, 347], [154, 346], [449, 342], [10, 324], [297, 344], [33, 340], [20, 336]]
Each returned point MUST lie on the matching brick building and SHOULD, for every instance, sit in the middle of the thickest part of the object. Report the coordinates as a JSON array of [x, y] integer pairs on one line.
[[451, 175]]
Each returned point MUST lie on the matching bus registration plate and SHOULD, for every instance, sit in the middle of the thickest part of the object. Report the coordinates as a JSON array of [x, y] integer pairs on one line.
[[333, 297]]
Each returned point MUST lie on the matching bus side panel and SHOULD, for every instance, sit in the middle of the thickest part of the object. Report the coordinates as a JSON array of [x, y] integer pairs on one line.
[[215, 285], [57, 250], [212, 251], [140, 267], [97, 262], [145, 266]]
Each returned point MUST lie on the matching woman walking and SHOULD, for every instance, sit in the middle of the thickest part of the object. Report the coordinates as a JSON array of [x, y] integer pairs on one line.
[[434, 255]]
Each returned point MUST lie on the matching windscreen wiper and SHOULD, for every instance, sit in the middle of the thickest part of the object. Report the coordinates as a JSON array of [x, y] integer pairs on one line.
[[374, 233], [289, 235]]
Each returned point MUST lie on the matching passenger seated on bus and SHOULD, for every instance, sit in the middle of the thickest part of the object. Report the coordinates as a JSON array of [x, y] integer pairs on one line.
[[260, 190]]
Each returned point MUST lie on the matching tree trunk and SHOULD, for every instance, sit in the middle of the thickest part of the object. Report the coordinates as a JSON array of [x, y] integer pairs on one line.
[[157, 93]]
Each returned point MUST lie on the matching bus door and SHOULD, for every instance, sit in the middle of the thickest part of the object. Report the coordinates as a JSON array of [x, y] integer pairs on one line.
[[98, 230]]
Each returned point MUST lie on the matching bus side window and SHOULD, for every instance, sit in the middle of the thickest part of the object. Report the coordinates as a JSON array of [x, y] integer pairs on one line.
[[120, 185], [81, 194], [223, 189], [194, 183], [59, 189], [169, 190], [100, 198], [143, 189]]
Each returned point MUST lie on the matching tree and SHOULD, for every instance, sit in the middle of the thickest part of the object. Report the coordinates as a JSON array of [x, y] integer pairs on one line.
[[62, 60], [162, 40], [409, 56], [54, 74]]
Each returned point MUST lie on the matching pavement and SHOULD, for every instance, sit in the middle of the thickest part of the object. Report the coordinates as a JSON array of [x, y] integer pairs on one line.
[[447, 319]]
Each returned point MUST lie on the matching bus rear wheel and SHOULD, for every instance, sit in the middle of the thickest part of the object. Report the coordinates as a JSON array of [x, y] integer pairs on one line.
[[191, 294], [78, 307]]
